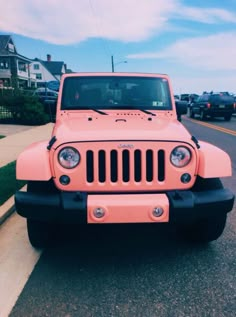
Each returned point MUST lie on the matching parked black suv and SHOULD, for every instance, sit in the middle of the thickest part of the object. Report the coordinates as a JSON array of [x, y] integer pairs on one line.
[[46, 96], [213, 105]]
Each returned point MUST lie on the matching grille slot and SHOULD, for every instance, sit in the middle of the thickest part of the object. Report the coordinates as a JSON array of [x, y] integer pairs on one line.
[[127, 165], [161, 166], [89, 166], [101, 166], [137, 166], [114, 166], [149, 165]]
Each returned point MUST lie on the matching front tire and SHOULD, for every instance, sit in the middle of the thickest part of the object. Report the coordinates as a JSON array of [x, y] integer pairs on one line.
[[202, 115], [227, 117], [209, 228], [191, 113], [39, 233]]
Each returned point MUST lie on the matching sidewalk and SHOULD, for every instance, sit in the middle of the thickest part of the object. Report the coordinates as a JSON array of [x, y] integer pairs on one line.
[[9, 129], [12, 145]]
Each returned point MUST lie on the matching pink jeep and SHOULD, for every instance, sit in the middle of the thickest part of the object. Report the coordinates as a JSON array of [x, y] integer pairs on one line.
[[119, 154]]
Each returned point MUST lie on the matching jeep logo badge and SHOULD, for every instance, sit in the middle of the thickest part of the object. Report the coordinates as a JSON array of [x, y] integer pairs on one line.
[[125, 146]]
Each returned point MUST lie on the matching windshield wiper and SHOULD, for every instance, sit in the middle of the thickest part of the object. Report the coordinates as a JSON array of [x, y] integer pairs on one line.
[[147, 112], [98, 111], [128, 107]]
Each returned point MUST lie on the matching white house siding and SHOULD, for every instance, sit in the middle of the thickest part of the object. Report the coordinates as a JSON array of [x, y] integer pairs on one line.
[[46, 75]]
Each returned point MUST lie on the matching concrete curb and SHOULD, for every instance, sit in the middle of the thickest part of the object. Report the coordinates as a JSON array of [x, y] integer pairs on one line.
[[8, 208]]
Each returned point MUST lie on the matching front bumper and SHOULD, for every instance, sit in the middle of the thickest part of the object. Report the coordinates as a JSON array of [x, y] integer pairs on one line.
[[77, 207]]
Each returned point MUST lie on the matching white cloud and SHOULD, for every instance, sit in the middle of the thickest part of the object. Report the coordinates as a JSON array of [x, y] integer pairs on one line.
[[206, 15], [73, 21], [215, 52]]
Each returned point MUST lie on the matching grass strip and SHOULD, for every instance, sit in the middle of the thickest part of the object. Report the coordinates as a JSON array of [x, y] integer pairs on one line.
[[8, 183]]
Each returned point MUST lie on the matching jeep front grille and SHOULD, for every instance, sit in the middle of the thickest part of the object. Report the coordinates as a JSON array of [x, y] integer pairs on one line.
[[127, 165]]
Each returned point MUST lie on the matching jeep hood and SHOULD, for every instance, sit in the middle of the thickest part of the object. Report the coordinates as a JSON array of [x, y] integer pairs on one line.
[[119, 127]]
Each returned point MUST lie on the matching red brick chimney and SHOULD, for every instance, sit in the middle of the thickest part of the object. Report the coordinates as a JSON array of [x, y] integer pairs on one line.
[[49, 58]]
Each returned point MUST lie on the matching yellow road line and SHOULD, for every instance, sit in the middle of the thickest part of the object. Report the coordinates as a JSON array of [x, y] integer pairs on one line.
[[212, 126]]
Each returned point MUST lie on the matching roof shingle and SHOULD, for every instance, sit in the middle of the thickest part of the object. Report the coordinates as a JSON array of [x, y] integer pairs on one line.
[[55, 68], [4, 39]]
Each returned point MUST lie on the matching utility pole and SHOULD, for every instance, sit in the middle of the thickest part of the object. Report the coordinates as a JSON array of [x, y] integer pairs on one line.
[[112, 64]]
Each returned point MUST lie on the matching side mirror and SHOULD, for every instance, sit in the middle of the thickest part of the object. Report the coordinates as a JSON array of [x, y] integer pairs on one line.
[[181, 108]]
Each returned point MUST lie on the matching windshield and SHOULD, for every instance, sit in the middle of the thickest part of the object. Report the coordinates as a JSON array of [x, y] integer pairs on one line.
[[222, 98], [109, 92]]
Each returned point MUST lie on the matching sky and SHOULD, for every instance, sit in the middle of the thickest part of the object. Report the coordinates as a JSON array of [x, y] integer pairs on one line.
[[194, 42]]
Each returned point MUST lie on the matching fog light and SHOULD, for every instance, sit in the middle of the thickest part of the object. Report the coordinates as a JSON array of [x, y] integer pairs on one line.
[[185, 178], [64, 180], [99, 212], [158, 211]]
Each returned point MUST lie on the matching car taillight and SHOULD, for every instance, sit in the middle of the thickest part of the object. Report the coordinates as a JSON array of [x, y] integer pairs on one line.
[[208, 105]]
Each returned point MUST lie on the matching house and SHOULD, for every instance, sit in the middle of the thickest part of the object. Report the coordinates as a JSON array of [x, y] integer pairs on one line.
[[14, 68], [47, 71]]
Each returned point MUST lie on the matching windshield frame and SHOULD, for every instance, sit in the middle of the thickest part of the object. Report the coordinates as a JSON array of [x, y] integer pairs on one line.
[[163, 85]]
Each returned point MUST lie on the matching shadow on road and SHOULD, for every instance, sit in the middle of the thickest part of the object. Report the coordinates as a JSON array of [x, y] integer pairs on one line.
[[130, 242], [128, 271]]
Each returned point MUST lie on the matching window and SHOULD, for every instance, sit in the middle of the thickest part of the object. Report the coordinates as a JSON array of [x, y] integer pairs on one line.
[[11, 47], [36, 66], [222, 98], [39, 76], [204, 98], [4, 64], [22, 66]]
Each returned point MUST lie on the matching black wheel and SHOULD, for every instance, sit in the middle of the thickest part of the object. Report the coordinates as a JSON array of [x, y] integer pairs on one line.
[[202, 115], [206, 229], [39, 233], [227, 117], [209, 228], [191, 113]]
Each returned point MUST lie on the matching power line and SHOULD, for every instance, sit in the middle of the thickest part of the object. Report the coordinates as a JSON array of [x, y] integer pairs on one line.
[[99, 25]]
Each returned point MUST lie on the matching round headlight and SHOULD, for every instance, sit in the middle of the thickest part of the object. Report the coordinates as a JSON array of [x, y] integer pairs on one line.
[[69, 157], [180, 156]]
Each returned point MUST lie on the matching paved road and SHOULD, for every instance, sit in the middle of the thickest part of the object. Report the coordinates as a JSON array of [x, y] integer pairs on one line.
[[137, 271]]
